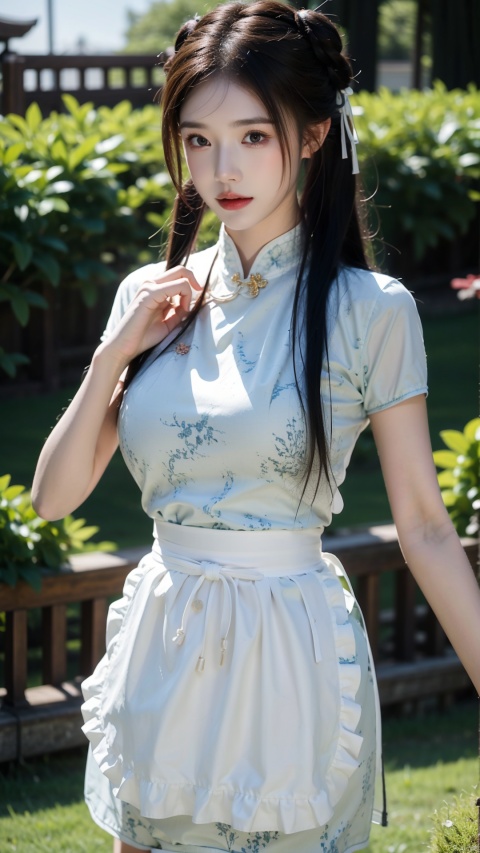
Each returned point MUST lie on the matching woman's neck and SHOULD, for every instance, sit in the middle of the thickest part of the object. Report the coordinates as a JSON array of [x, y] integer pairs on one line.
[[250, 241]]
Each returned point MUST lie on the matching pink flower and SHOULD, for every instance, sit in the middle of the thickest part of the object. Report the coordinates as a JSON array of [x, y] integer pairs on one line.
[[468, 287]]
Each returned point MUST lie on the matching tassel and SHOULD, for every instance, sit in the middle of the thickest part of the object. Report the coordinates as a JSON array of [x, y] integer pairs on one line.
[[179, 637]]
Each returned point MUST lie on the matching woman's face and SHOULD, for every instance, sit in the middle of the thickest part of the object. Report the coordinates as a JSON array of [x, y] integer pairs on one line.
[[235, 160]]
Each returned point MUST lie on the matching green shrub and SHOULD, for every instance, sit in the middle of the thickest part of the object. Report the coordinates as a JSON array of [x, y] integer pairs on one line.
[[29, 544], [456, 827], [422, 149], [80, 195], [71, 187], [460, 479]]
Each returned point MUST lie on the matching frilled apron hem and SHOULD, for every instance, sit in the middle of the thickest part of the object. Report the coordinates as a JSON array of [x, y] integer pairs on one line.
[[154, 790]]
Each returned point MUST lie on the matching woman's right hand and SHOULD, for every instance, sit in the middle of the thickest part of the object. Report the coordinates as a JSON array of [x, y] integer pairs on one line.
[[157, 308], [80, 446]]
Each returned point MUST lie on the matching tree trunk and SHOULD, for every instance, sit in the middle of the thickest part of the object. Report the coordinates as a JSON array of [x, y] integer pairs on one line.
[[361, 22], [456, 36]]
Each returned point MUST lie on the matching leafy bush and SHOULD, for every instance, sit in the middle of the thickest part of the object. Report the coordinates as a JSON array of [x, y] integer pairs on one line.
[[80, 195], [70, 189], [422, 149], [29, 544], [460, 481], [456, 827]]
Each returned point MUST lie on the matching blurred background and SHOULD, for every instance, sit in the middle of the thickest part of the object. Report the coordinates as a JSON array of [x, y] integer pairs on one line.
[[85, 198]]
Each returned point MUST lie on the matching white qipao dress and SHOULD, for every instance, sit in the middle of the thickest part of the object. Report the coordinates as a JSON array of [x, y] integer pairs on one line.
[[235, 707]]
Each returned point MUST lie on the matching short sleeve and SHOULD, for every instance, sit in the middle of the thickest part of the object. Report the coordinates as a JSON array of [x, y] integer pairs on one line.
[[126, 291], [394, 361]]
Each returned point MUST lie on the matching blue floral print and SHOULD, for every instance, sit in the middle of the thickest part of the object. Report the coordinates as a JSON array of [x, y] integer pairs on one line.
[[247, 364], [332, 845], [290, 450], [256, 522], [278, 388], [226, 832], [208, 508], [367, 780], [127, 451], [194, 436], [137, 827], [278, 257], [255, 842]]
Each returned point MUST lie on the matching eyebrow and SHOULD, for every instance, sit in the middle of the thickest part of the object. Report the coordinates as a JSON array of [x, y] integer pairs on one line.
[[240, 123]]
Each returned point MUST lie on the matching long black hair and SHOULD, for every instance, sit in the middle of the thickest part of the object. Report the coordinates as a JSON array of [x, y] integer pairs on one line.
[[294, 63]]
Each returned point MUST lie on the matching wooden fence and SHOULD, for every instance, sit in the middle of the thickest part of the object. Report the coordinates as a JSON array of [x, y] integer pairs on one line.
[[414, 660], [104, 80]]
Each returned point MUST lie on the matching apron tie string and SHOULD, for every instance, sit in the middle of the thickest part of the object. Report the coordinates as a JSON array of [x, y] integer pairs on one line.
[[205, 570]]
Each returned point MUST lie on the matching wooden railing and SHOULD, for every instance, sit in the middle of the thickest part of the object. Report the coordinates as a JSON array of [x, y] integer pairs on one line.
[[104, 80], [413, 658]]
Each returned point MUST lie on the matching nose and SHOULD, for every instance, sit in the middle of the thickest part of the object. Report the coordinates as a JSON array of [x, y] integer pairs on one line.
[[226, 167]]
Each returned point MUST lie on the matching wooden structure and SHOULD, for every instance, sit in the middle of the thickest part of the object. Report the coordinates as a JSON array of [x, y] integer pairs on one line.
[[44, 78], [14, 29], [455, 29], [414, 660], [361, 22], [455, 34], [118, 78]]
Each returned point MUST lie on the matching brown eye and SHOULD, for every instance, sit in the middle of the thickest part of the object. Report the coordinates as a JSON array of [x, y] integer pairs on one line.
[[197, 141], [255, 137]]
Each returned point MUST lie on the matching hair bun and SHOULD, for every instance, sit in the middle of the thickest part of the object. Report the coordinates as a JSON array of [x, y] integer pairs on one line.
[[326, 44], [185, 31]]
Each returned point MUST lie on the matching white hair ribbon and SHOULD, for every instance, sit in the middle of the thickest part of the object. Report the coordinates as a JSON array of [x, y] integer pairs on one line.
[[347, 127]]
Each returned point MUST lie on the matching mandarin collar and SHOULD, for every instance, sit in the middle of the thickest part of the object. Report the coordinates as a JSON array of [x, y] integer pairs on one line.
[[275, 258]]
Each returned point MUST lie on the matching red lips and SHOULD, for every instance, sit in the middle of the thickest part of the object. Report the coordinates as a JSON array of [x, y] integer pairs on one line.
[[233, 201]]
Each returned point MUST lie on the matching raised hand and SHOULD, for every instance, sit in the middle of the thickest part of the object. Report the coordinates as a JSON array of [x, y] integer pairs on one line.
[[159, 305]]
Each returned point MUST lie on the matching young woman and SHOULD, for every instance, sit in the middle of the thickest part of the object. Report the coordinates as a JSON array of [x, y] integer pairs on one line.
[[236, 706]]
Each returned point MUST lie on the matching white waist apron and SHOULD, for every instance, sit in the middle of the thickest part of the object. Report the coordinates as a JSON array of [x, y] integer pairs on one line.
[[228, 690]]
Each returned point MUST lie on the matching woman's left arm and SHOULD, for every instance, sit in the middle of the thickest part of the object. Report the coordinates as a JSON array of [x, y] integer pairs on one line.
[[428, 540]]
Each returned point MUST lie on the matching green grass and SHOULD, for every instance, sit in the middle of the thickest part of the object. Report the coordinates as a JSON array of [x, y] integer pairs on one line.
[[452, 347], [456, 826], [428, 761]]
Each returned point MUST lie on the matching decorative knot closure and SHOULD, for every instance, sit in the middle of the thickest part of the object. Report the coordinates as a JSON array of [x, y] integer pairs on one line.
[[254, 284], [211, 571], [250, 289]]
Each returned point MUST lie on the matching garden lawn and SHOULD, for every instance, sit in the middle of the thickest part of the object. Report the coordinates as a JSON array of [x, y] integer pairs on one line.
[[452, 346], [428, 760]]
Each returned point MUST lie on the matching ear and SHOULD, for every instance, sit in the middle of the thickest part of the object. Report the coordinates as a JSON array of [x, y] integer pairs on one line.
[[314, 137]]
